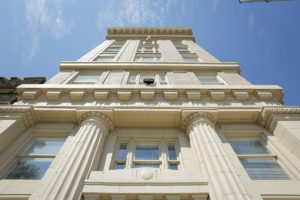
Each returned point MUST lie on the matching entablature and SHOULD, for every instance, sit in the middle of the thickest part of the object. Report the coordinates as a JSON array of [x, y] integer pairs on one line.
[[54, 92]]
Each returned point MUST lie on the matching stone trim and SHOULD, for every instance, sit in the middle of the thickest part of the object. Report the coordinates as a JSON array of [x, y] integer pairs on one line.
[[97, 116], [196, 118], [27, 113], [268, 120]]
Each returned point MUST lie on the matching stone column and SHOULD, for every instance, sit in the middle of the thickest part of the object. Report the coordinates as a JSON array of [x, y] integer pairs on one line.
[[223, 182], [65, 180]]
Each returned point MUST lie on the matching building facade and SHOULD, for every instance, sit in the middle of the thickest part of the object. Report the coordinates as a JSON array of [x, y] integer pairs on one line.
[[149, 115]]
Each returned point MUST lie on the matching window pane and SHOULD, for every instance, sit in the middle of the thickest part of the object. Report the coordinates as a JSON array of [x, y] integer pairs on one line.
[[122, 152], [140, 165], [190, 59], [120, 166], [208, 79], [147, 151], [263, 169], [104, 59], [86, 79], [172, 151], [173, 166], [248, 146], [29, 168], [45, 146]]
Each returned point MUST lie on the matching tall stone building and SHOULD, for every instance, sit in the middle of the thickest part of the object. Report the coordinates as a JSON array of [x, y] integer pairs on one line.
[[149, 115]]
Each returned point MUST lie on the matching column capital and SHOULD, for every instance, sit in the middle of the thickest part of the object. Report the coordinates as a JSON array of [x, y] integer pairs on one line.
[[97, 116], [197, 118]]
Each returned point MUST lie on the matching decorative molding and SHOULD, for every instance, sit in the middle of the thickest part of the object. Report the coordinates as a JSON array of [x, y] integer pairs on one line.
[[147, 94], [124, 95], [149, 31], [217, 95], [77, 95], [30, 94], [196, 118], [54, 95], [264, 95], [267, 119], [193, 94], [98, 116], [240, 95], [101, 94], [170, 94], [27, 113]]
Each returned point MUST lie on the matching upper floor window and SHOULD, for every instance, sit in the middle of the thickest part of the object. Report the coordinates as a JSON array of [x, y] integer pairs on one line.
[[147, 58], [104, 58], [190, 59], [137, 154], [138, 78], [35, 159], [86, 79], [208, 79], [257, 160]]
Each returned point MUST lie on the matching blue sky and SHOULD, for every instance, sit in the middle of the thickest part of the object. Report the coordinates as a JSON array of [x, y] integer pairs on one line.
[[36, 35]]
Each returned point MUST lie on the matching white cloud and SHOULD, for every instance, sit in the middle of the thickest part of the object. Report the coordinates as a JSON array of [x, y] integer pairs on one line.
[[133, 13], [251, 22], [44, 15]]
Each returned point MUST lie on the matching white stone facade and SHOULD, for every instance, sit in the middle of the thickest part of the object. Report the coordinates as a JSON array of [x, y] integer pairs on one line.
[[149, 114]]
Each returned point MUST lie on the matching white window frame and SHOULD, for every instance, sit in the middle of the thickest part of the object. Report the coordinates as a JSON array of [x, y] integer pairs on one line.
[[220, 81], [131, 149], [258, 156], [25, 145], [73, 81]]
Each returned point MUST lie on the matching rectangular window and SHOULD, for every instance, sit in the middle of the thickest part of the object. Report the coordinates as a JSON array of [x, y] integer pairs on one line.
[[139, 78], [33, 161], [104, 59], [257, 160], [208, 79], [147, 59], [137, 154], [86, 79]]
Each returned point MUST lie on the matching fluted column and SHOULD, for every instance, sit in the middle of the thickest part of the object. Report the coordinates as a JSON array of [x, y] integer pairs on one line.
[[65, 181], [223, 182]]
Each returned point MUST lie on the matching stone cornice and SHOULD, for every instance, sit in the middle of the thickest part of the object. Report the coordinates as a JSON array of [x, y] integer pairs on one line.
[[71, 65], [99, 116], [26, 112], [126, 92], [268, 115], [196, 118], [115, 32]]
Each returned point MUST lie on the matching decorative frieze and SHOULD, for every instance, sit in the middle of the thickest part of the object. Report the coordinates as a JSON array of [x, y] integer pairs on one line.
[[101, 94], [77, 95], [30, 94], [54, 95], [240, 95], [124, 95], [170, 94], [264, 95], [193, 94], [147, 94], [217, 95]]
